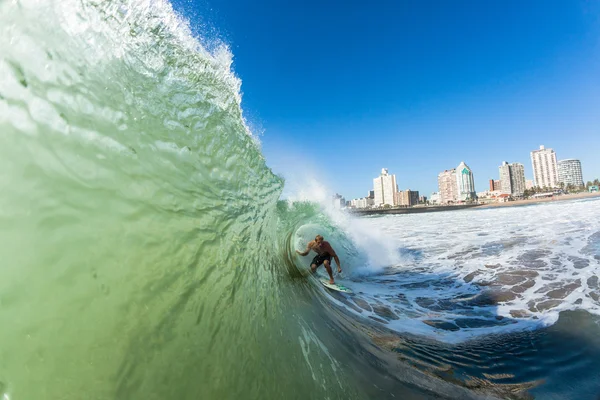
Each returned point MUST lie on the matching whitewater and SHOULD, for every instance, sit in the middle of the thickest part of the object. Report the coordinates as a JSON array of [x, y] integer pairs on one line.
[[147, 253]]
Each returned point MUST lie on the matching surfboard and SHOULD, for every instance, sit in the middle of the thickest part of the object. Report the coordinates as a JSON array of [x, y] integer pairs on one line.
[[335, 286]]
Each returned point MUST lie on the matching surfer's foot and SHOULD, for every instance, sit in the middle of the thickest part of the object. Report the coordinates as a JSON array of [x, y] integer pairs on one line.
[[313, 269], [339, 270], [331, 282]]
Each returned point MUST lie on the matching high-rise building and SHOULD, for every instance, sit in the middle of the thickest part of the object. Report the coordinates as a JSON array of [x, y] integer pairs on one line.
[[448, 189], [569, 172], [504, 172], [465, 182], [512, 177], [407, 198], [384, 187], [545, 170], [495, 185], [517, 176], [397, 198]]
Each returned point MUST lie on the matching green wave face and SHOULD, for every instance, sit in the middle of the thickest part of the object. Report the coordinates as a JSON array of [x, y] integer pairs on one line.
[[145, 254]]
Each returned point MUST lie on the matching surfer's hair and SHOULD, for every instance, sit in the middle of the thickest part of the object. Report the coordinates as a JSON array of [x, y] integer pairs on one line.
[[318, 237]]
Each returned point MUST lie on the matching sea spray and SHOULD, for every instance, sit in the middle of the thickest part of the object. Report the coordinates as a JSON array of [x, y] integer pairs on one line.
[[361, 246]]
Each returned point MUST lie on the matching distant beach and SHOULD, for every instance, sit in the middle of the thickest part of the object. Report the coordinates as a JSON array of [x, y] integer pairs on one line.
[[428, 209], [563, 197]]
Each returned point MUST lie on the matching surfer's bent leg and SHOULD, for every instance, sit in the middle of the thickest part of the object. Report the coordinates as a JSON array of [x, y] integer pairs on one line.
[[327, 265], [315, 263]]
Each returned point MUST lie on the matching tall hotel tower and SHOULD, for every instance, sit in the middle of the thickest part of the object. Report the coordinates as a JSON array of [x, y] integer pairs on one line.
[[512, 177], [465, 182], [385, 186], [545, 170], [448, 189], [569, 172]]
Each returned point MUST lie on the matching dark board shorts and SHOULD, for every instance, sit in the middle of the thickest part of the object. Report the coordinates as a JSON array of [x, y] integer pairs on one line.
[[318, 260]]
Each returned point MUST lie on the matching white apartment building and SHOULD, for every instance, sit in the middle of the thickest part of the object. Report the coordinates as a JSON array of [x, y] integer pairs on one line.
[[363, 202], [569, 172], [545, 170], [465, 182], [448, 188], [512, 177], [384, 187], [434, 198], [504, 172]]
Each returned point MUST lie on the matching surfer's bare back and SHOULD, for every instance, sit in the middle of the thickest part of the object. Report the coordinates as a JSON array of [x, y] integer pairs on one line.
[[324, 253]]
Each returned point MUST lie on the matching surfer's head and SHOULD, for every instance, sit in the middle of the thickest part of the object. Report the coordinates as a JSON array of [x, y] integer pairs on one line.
[[318, 239]]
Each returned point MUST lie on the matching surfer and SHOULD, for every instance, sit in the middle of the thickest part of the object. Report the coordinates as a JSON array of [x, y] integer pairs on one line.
[[324, 253]]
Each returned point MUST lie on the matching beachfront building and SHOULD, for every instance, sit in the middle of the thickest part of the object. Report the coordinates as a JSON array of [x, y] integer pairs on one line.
[[545, 170], [504, 172], [407, 198], [512, 177], [489, 196], [465, 183], [569, 172], [495, 184], [384, 187], [529, 184], [448, 189], [434, 198], [397, 198], [363, 202]]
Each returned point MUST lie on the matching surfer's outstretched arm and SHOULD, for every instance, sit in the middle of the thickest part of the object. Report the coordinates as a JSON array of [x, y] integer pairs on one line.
[[305, 252]]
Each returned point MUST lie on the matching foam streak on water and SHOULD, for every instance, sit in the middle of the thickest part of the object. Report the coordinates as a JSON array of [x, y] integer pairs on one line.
[[473, 272]]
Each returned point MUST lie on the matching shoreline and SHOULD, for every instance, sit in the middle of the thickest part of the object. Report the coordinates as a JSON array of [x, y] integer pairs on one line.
[[563, 197], [516, 203], [411, 210]]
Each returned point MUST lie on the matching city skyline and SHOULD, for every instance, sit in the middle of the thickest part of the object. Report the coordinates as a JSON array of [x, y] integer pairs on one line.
[[511, 177], [482, 185]]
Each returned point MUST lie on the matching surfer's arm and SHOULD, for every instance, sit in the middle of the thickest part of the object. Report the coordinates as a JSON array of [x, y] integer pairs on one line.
[[337, 261], [305, 252]]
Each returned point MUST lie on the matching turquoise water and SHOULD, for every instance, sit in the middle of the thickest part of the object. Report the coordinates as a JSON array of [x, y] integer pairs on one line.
[[146, 254]]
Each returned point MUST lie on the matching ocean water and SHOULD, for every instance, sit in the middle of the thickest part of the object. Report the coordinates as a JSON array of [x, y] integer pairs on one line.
[[146, 253], [506, 298]]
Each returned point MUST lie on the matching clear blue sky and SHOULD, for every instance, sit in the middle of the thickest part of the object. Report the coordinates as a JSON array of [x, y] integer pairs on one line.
[[349, 87]]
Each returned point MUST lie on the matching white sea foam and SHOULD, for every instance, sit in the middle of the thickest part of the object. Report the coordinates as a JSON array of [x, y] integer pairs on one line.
[[476, 272]]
